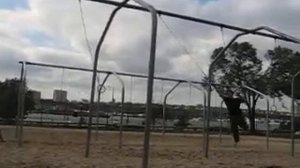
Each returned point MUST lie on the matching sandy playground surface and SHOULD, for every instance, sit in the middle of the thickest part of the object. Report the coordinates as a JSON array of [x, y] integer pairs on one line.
[[53, 147]]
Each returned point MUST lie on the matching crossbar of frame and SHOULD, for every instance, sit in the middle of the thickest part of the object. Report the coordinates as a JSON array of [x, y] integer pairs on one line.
[[110, 72], [194, 19]]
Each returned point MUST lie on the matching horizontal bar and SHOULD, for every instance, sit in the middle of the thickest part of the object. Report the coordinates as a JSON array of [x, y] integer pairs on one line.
[[256, 91], [109, 72], [194, 19]]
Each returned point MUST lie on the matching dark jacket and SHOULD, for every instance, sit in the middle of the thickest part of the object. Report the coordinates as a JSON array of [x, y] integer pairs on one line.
[[233, 105]]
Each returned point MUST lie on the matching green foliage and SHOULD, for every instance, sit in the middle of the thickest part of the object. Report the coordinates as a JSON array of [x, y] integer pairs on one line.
[[238, 66], [9, 99], [284, 63]]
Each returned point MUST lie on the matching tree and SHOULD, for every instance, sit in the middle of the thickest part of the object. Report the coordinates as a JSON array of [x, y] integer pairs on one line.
[[238, 66], [9, 99], [284, 63]]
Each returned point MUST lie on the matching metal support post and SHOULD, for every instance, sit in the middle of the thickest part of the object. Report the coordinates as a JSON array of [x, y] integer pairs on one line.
[[22, 107], [19, 102], [165, 106], [221, 123], [122, 109], [267, 114], [151, 69], [293, 114]]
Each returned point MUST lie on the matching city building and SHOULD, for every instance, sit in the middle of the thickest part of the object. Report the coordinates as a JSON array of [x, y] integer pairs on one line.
[[36, 96], [60, 96]]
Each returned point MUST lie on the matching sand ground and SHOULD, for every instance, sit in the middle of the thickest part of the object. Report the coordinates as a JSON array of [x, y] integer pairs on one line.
[[56, 148]]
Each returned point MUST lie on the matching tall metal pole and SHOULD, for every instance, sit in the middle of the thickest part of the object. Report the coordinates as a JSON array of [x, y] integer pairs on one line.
[[268, 123], [88, 140], [98, 103], [293, 114], [165, 106], [22, 107], [151, 69], [204, 122], [19, 102], [121, 121]]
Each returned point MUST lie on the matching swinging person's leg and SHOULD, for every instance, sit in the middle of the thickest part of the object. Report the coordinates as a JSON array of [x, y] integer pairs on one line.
[[242, 123], [234, 129]]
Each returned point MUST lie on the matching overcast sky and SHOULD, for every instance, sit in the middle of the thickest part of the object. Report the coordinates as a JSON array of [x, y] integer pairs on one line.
[[51, 31]]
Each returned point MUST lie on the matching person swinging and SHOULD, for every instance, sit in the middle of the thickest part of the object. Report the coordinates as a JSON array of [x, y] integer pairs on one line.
[[233, 102]]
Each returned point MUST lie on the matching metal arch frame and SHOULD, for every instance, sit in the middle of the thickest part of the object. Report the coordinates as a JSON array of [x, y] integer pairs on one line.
[[122, 109], [151, 69], [293, 114], [95, 65], [165, 106], [98, 103], [221, 54]]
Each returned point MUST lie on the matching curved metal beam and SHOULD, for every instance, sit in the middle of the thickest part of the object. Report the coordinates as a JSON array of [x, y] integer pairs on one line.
[[87, 151], [281, 34], [293, 114], [194, 19], [165, 106]]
